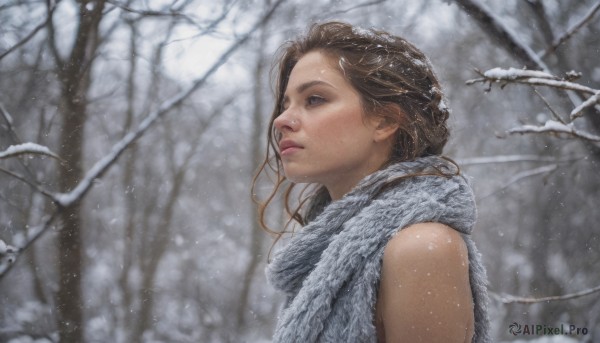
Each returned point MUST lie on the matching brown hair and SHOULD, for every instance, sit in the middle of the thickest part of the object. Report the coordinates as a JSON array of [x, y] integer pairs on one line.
[[395, 80]]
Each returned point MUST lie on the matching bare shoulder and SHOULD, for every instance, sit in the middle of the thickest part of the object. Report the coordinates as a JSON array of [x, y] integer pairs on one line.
[[427, 241], [425, 281]]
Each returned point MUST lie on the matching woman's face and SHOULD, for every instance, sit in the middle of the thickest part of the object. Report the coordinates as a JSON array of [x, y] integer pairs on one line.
[[325, 138]]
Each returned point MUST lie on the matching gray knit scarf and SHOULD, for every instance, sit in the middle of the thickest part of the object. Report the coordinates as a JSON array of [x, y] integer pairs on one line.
[[330, 269]]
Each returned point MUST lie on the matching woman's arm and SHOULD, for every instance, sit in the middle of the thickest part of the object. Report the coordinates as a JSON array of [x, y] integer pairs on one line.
[[425, 294]]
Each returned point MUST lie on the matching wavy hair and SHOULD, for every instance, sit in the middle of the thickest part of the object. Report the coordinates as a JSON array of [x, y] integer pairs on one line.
[[394, 79]]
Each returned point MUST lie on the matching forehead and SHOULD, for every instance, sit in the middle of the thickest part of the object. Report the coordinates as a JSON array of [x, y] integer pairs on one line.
[[315, 66]]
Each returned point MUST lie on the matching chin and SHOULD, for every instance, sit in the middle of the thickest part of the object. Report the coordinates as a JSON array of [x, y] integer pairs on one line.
[[297, 177]]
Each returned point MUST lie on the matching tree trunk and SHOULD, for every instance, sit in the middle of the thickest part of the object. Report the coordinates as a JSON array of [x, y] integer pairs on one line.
[[75, 78], [69, 236]]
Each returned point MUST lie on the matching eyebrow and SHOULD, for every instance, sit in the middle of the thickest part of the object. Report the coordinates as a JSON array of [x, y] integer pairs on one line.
[[307, 85]]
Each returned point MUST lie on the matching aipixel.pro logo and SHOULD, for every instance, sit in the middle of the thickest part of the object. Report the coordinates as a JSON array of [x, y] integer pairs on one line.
[[540, 329], [514, 328]]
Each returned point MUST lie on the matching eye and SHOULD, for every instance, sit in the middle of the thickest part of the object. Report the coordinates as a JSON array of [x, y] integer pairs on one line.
[[314, 100]]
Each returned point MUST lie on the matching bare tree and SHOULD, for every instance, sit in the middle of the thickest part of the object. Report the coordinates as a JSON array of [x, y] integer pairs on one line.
[[547, 48], [585, 99], [74, 75]]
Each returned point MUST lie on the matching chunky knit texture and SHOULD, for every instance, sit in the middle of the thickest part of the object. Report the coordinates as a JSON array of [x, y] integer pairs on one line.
[[330, 270]]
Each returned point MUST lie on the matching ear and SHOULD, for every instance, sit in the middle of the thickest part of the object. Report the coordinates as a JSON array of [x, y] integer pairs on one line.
[[384, 126]]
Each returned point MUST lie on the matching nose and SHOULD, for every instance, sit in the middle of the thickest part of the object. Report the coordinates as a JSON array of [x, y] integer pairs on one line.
[[286, 122]]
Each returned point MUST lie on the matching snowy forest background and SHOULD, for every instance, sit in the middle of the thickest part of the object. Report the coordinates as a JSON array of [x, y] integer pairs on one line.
[[152, 236]]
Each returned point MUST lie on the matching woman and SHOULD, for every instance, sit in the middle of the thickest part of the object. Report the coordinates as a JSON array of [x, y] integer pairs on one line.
[[384, 254]]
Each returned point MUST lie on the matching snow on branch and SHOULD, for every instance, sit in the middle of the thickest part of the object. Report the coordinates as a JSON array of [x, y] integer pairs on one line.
[[530, 77], [494, 27], [541, 78], [516, 74], [98, 169], [557, 128], [101, 166], [591, 101], [27, 148], [9, 253], [511, 299], [6, 251]]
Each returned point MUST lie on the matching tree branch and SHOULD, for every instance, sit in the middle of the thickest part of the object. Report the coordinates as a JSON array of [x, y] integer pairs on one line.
[[31, 184], [554, 113], [146, 13], [100, 167], [67, 199], [499, 32], [175, 13], [9, 124], [27, 148], [365, 4], [511, 299], [591, 101], [537, 78], [503, 35], [31, 34], [469, 161], [23, 149], [571, 31], [539, 13], [557, 128], [31, 239], [530, 77], [523, 175], [51, 5]]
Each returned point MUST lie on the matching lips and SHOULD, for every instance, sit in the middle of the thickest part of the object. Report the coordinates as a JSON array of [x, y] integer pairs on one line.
[[288, 146]]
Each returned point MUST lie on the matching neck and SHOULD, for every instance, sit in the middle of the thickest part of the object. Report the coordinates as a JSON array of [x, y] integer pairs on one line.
[[345, 182]]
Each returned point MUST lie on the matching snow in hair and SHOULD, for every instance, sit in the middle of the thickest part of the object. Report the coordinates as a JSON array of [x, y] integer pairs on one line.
[[369, 33]]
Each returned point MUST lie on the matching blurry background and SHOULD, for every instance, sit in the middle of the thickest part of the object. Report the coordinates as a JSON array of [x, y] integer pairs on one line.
[[165, 246]]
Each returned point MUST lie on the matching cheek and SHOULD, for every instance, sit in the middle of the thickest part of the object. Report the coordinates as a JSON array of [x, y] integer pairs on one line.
[[332, 135], [350, 130], [341, 127]]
